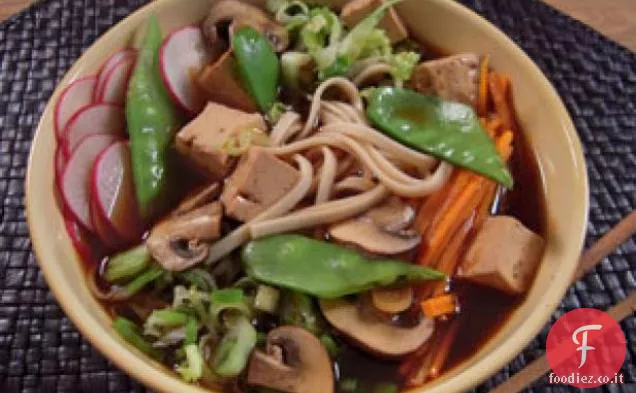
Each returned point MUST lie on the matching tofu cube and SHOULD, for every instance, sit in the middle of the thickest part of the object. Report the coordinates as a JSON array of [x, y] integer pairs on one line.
[[220, 83], [504, 255], [355, 11], [259, 181], [454, 78], [202, 139]]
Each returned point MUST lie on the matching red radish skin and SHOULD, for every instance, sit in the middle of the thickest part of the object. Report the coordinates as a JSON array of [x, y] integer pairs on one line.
[[76, 178], [116, 82], [92, 120], [60, 164], [113, 192], [76, 96], [108, 65], [182, 53], [80, 239]]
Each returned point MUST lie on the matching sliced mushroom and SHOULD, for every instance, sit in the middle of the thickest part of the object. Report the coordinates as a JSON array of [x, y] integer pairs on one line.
[[375, 335], [381, 230], [235, 14], [181, 241], [295, 362], [198, 198]]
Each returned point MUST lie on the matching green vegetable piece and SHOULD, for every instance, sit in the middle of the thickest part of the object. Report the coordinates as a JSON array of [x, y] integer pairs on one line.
[[192, 369], [348, 385], [258, 66], [191, 331], [403, 64], [128, 264], [385, 388], [448, 130], [234, 349], [298, 309], [323, 269], [200, 278], [266, 299], [297, 68], [229, 300], [364, 40], [330, 345], [139, 283], [152, 119], [130, 332]]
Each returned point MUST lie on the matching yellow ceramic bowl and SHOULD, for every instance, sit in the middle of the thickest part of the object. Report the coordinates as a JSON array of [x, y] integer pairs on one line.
[[442, 23]]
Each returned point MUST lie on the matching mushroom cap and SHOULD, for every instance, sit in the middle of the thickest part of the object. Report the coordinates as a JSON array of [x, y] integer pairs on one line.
[[372, 334], [295, 362], [239, 14], [381, 230], [181, 240]]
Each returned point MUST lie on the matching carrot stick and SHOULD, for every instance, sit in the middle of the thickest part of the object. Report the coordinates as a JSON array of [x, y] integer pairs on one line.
[[499, 85], [452, 256], [443, 350], [493, 125], [428, 208], [440, 232], [439, 305], [504, 145], [482, 102]]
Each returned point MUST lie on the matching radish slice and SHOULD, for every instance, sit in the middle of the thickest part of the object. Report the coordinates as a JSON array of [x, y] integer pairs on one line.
[[116, 83], [108, 66], [113, 192], [103, 229], [60, 163], [94, 119], [182, 53], [79, 238], [76, 96], [77, 176]]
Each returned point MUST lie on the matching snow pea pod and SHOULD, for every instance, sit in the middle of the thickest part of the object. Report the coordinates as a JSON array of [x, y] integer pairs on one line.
[[324, 269], [152, 119], [257, 65], [450, 131]]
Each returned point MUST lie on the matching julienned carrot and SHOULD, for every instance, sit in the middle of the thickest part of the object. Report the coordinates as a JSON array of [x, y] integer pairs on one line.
[[439, 234], [482, 101], [439, 305], [429, 207], [483, 210], [452, 254], [504, 145], [499, 85], [493, 125], [443, 349]]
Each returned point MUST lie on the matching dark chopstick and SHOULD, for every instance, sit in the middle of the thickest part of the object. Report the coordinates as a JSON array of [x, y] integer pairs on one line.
[[592, 257]]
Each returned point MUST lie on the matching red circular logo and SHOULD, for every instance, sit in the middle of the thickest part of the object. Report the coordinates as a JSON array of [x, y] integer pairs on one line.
[[585, 348]]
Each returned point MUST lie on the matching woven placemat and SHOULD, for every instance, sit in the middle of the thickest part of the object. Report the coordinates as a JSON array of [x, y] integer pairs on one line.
[[40, 350]]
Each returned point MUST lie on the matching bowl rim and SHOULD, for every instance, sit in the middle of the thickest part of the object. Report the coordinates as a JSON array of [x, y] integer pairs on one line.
[[143, 370]]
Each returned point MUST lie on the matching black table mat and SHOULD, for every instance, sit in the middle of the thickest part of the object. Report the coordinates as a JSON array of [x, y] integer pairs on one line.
[[40, 350]]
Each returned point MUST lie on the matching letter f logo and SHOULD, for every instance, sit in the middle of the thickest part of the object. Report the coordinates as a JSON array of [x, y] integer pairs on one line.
[[584, 347]]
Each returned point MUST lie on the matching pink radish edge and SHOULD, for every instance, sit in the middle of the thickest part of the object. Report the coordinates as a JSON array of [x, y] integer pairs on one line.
[[111, 62], [164, 74], [128, 233], [77, 195], [127, 65], [78, 237], [68, 144], [59, 128]]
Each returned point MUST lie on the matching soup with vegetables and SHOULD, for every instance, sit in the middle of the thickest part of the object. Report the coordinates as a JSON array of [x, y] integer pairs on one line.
[[300, 199]]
